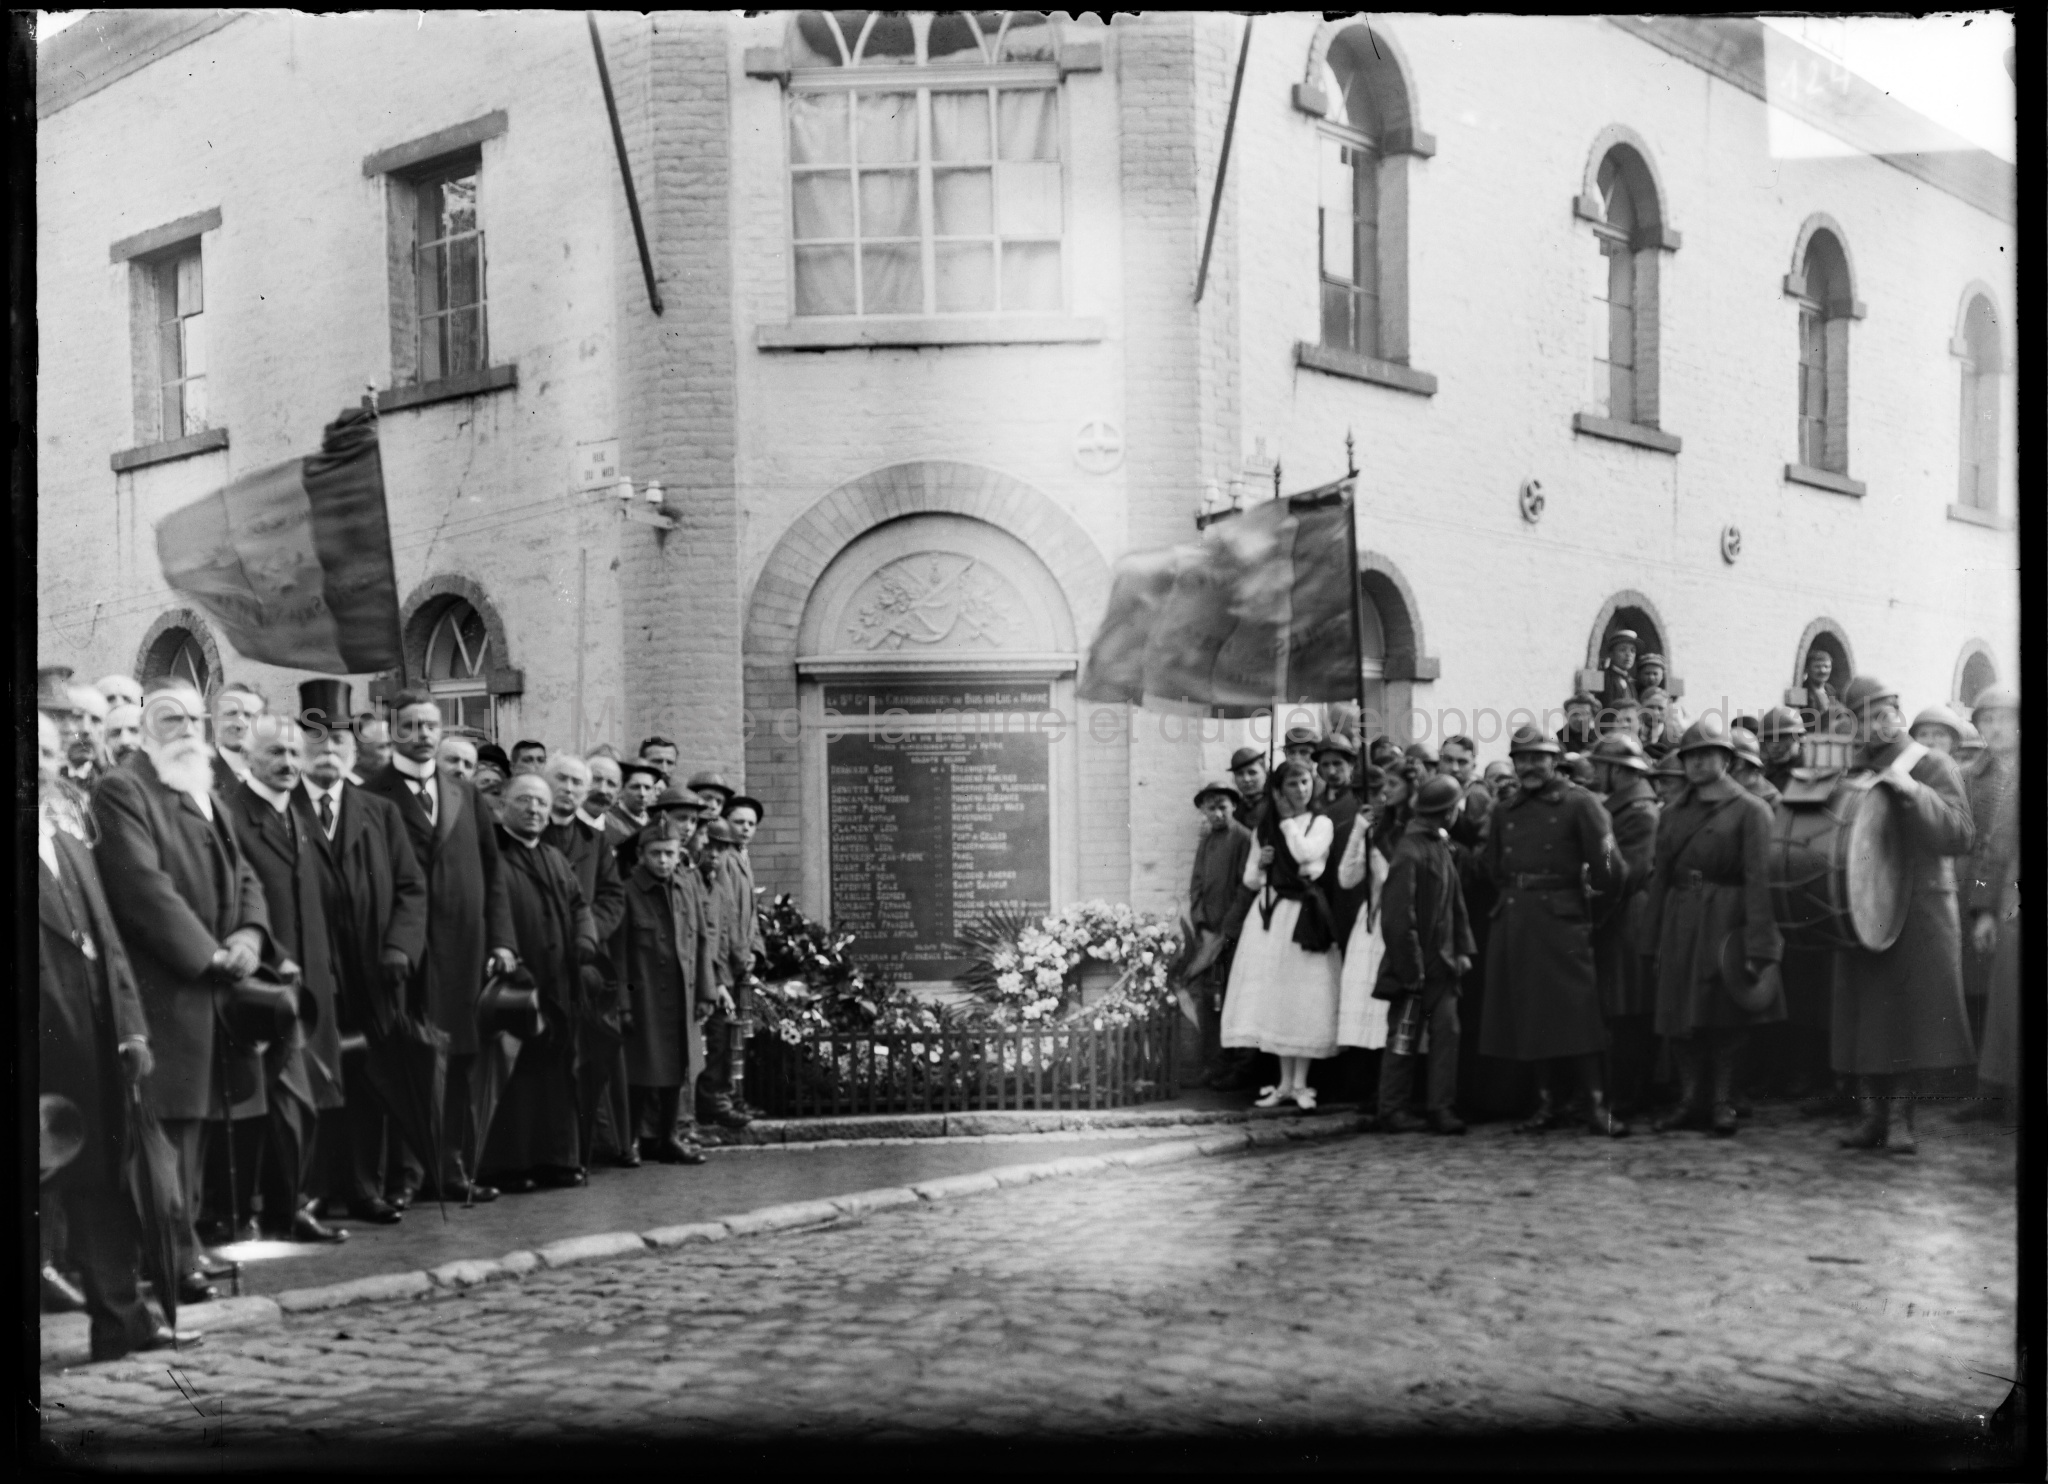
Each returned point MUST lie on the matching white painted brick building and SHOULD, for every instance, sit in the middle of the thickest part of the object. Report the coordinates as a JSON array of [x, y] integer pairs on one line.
[[1037, 419]]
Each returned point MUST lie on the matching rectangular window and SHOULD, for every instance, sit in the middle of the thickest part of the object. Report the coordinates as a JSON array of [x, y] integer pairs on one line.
[[1813, 388], [1613, 325], [170, 344], [1980, 438], [1349, 227], [439, 303], [926, 201]]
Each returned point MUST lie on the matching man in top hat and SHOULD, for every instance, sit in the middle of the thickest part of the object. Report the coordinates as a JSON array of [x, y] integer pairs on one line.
[[1546, 852], [1579, 732], [1717, 943], [92, 1046], [1748, 768], [535, 1139], [1618, 669], [1248, 772], [374, 897], [1429, 949], [1622, 779], [235, 711], [1938, 729], [192, 917], [1213, 887], [1649, 673], [584, 844], [1900, 1013], [1991, 895], [1779, 740], [305, 1078], [470, 928]]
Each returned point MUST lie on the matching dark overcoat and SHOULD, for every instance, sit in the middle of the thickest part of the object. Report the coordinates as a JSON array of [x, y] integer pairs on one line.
[[590, 855], [88, 1006], [1993, 886], [178, 887], [663, 949], [467, 916], [1902, 1010], [1347, 813], [1545, 852], [1422, 915], [286, 862], [1623, 932], [1713, 878], [374, 895]]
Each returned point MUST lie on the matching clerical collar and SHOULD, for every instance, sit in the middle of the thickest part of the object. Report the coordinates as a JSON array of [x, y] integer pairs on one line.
[[278, 801], [533, 844], [411, 769], [594, 821]]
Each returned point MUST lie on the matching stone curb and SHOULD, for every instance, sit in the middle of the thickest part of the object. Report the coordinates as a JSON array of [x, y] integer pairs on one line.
[[860, 1127], [65, 1336]]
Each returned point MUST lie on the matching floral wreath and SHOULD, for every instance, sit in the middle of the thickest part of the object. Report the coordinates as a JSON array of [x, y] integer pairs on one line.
[[1023, 967]]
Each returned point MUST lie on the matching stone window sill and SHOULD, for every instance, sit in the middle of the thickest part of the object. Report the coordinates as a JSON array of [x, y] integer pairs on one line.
[[1822, 479], [206, 440], [1976, 517], [1364, 368], [469, 384], [916, 330], [1634, 434]]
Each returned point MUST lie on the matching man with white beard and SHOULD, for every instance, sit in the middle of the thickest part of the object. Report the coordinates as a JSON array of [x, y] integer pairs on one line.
[[192, 916]]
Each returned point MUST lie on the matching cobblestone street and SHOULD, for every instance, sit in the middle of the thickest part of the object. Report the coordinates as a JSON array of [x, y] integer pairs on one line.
[[1365, 1284]]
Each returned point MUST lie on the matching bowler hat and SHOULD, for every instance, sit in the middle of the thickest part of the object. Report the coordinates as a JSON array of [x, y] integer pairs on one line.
[[1750, 995], [1338, 744], [634, 765], [679, 798], [510, 1003], [721, 833], [1940, 716], [1244, 757], [1781, 721], [493, 754], [1621, 636], [1622, 750], [1438, 795], [1300, 737], [1530, 739], [1218, 786], [701, 782], [746, 801], [1995, 698], [1708, 731], [328, 698], [1865, 689]]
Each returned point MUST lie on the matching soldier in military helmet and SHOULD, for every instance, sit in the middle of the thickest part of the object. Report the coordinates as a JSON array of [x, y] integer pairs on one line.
[[1990, 891], [1748, 770], [1619, 931], [1667, 778], [1549, 853], [1938, 729], [1717, 943], [1618, 670], [1899, 1014], [1779, 740]]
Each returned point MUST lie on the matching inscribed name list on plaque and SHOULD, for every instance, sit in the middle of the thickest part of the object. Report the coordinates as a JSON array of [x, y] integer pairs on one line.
[[939, 812]]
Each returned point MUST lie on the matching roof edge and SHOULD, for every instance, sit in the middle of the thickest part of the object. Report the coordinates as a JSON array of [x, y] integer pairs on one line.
[[107, 46]]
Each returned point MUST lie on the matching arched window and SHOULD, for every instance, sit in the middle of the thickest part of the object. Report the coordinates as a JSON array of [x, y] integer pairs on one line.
[[933, 183], [178, 655], [1623, 206], [457, 668], [1823, 291], [1614, 296], [1981, 365], [1976, 672]]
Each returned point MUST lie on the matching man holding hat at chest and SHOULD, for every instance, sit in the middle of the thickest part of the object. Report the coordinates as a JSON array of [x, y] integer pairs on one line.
[[1213, 887], [1900, 1013]]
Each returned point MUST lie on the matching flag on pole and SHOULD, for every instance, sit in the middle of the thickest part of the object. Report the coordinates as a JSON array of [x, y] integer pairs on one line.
[[294, 561], [1256, 612]]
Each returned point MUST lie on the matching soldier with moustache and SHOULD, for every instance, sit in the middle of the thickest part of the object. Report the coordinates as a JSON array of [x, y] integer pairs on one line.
[[374, 897], [1899, 1014], [1548, 852]]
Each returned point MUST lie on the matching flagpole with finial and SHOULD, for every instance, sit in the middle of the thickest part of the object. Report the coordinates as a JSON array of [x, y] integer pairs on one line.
[[1357, 613]]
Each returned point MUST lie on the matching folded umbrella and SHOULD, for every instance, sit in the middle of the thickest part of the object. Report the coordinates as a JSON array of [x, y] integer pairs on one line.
[[496, 1054], [406, 1060], [154, 1185]]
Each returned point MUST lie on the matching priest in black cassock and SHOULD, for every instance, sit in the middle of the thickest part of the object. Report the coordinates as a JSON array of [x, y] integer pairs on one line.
[[533, 1140], [587, 844]]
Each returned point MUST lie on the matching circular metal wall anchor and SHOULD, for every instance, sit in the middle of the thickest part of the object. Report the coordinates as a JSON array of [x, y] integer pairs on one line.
[[1731, 544], [1532, 500], [1099, 445]]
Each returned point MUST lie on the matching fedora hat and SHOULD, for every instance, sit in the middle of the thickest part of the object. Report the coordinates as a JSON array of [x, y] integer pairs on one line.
[[509, 1003], [746, 801], [1750, 995], [262, 1008], [1222, 786]]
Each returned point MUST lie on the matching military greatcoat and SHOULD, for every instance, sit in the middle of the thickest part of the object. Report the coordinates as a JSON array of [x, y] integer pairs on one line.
[[1622, 936], [1546, 852], [1994, 886], [1713, 878], [1902, 1010]]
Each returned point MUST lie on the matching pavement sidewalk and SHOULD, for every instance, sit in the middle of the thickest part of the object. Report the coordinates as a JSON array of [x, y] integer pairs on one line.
[[779, 1174]]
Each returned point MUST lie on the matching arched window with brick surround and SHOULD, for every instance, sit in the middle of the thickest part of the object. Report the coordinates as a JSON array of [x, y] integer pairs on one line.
[[1623, 206], [1361, 94], [1822, 287]]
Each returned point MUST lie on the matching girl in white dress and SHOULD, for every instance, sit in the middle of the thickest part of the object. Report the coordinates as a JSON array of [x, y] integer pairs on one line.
[[1284, 980]]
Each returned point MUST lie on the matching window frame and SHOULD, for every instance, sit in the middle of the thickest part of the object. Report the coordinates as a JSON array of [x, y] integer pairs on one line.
[[1982, 393], [465, 691], [1367, 162], [148, 328], [404, 185], [465, 166], [1832, 305]]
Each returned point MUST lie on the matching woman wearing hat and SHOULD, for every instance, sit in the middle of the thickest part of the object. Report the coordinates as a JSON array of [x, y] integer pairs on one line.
[[1717, 945], [1284, 980]]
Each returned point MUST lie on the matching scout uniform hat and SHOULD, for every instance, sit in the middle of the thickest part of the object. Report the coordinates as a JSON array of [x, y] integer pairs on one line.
[[707, 781], [746, 801], [1622, 750], [1746, 749], [1218, 786], [678, 798], [1669, 766], [1530, 739], [720, 833], [1580, 767]]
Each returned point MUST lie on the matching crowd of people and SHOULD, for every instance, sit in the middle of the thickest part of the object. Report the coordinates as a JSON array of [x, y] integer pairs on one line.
[[1586, 932], [240, 905]]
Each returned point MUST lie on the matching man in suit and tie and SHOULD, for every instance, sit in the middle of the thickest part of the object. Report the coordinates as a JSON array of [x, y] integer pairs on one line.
[[305, 1081], [192, 917], [605, 783], [375, 900], [469, 925], [586, 844], [235, 711], [92, 1044]]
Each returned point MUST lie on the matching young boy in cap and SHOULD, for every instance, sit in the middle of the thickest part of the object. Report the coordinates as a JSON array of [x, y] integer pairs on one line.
[[1429, 948], [663, 949], [1213, 887], [1248, 772]]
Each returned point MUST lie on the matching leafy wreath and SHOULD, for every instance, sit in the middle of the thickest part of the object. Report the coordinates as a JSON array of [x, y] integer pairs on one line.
[[1023, 966]]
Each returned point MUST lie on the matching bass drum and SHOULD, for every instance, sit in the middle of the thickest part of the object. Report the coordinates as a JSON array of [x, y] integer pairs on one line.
[[1838, 871]]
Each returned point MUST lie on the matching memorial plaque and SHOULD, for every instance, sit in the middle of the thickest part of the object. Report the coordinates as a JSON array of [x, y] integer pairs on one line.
[[869, 700], [928, 831]]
